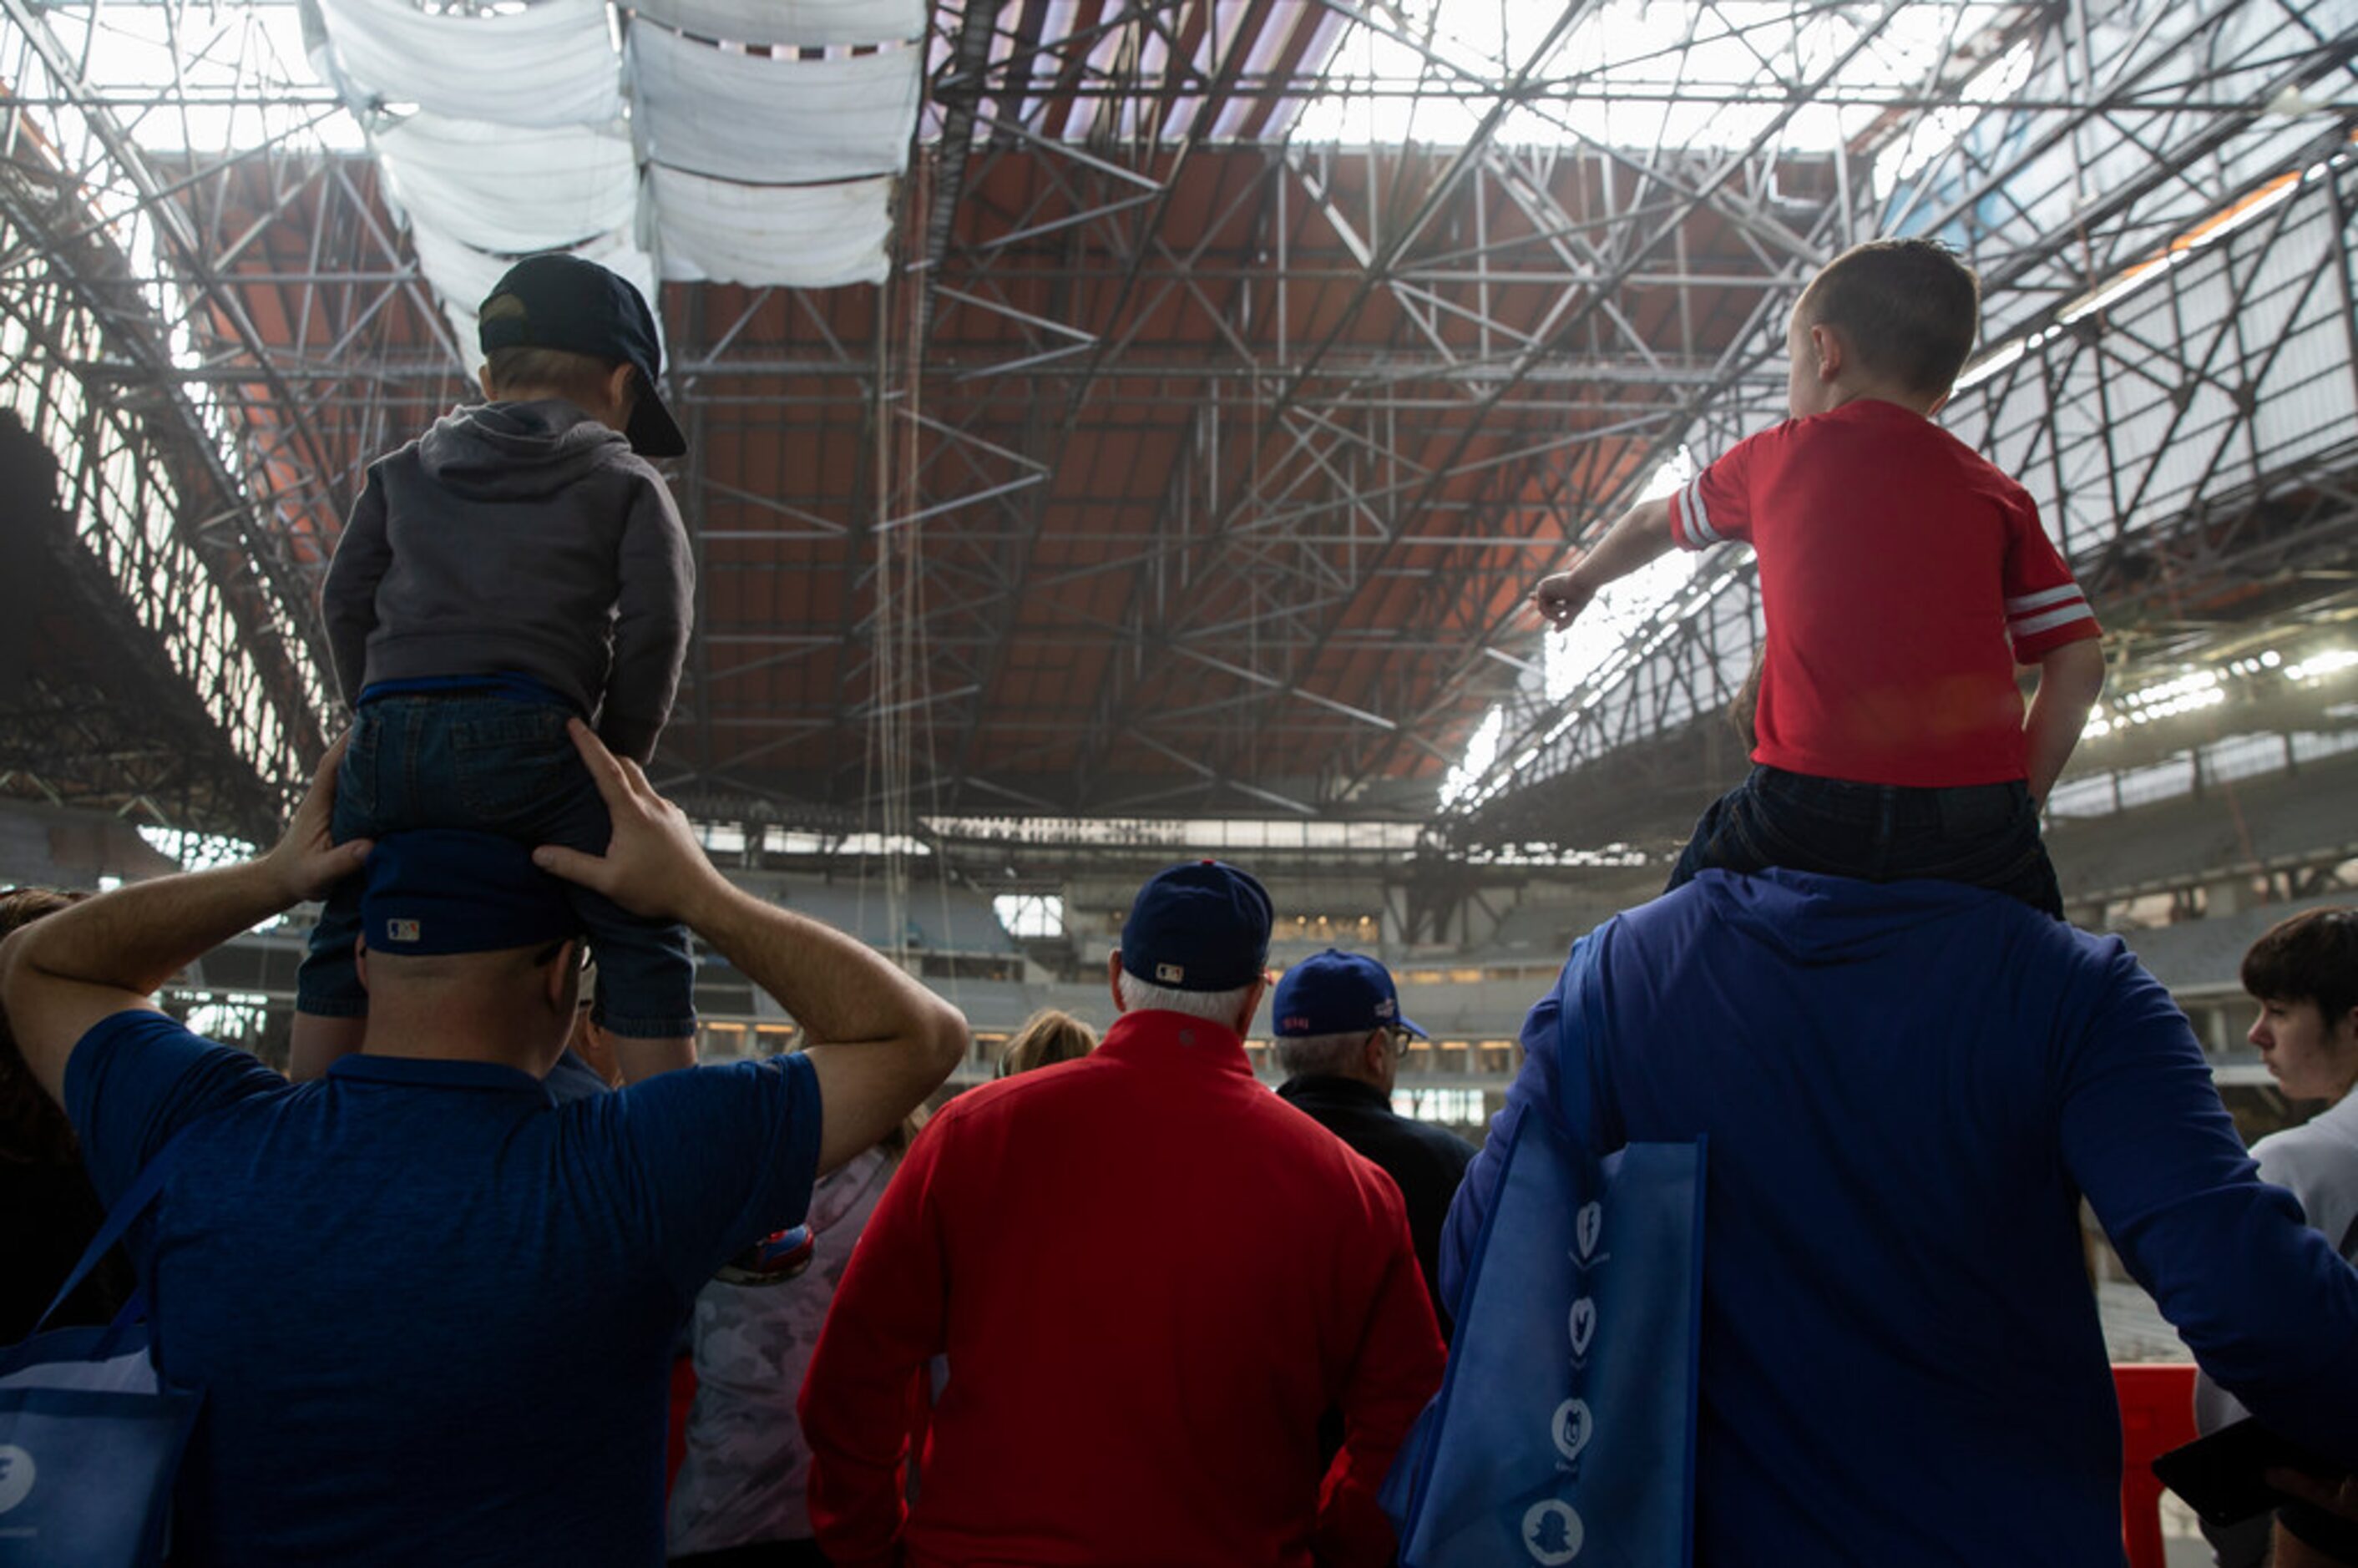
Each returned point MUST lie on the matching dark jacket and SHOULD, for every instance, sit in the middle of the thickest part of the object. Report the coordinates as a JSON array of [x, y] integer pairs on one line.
[[1910, 1090], [520, 538], [1426, 1162]]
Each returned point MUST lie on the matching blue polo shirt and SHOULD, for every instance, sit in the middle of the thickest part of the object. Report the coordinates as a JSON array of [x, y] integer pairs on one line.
[[1908, 1089], [431, 1310]]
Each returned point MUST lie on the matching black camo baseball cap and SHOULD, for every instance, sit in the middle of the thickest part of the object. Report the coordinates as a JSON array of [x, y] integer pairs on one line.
[[582, 308]]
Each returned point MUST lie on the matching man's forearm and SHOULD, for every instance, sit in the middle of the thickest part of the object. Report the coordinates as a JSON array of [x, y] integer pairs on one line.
[[838, 989], [139, 937]]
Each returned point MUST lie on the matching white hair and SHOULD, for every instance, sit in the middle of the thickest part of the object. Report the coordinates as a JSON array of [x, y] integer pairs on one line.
[[1220, 1007], [1322, 1055]]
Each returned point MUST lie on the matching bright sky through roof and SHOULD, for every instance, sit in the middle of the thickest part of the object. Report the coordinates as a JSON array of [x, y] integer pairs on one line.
[[1630, 73], [1574, 654], [1634, 74], [242, 78]]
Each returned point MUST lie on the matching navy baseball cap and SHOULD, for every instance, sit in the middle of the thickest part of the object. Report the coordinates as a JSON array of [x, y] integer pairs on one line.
[[1337, 993], [1202, 926], [447, 890], [582, 308]]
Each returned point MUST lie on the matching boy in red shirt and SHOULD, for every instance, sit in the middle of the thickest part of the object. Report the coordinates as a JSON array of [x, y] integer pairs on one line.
[[1903, 578]]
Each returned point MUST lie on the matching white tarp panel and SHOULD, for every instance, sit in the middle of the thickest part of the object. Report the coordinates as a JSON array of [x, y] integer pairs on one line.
[[770, 121], [806, 24], [814, 236], [550, 63], [462, 275], [511, 189]]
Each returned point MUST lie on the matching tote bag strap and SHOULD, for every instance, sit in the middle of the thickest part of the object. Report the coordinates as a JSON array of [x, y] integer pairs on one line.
[[120, 1218], [1579, 1026]]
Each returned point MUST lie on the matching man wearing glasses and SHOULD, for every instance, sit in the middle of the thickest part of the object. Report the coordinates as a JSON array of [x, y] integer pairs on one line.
[[431, 1310], [1340, 1038]]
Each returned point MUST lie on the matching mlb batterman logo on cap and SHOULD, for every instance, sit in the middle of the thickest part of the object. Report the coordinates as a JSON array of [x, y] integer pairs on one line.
[[1337, 993], [445, 891], [1202, 926], [580, 307]]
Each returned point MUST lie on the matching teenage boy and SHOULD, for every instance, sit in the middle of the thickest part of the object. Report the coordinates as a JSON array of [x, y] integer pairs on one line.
[[1903, 578], [2303, 973], [519, 564]]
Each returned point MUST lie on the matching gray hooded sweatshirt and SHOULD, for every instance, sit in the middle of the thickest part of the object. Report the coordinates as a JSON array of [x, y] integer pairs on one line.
[[521, 539]]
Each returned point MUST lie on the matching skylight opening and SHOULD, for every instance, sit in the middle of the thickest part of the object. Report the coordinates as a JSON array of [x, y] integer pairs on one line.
[[1481, 751], [1628, 74], [1606, 627], [213, 79]]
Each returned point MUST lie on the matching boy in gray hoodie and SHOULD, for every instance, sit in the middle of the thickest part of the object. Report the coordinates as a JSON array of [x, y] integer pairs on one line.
[[518, 565]]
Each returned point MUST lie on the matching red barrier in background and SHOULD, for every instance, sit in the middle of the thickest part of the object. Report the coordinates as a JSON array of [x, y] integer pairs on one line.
[[683, 1394], [2156, 1415]]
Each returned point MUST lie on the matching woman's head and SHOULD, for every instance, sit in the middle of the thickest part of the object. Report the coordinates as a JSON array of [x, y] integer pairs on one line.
[[1046, 1038], [2304, 974], [32, 1128]]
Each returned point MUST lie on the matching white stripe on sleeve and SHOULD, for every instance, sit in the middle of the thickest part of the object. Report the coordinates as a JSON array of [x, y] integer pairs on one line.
[[1698, 517], [2026, 603], [2031, 625]]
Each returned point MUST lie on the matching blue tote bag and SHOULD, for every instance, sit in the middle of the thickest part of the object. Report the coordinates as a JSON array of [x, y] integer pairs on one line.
[[1565, 1430], [90, 1438]]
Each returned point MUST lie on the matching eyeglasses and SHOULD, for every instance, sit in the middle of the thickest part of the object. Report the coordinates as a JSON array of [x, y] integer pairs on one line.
[[548, 954]]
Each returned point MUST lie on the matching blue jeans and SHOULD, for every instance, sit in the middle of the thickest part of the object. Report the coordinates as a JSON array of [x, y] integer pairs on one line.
[[495, 765], [1985, 836]]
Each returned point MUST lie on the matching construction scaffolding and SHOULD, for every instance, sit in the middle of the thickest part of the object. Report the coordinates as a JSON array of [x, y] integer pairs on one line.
[[1243, 363]]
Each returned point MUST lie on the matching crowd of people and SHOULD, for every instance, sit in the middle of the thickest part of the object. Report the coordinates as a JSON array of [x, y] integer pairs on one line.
[[1123, 1305]]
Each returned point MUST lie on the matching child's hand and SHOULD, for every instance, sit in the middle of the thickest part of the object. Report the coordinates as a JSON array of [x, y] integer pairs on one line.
[[1561, 597]]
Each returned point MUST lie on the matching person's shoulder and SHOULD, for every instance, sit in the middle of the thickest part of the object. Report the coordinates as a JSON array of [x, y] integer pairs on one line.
[[400, 463], [1292, 1133], [1044, 1091], [1969, 469], [142, 1042], [618, 464], [1444, 1144], [137, 1077], [2324, 1146]]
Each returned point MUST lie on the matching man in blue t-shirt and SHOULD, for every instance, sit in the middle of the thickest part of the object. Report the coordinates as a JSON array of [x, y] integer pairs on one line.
[[432, 1312], [1908, 1089]]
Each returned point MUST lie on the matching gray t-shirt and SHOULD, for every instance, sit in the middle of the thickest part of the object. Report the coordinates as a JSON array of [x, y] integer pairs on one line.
[[746, 1475], [2318, 1163]]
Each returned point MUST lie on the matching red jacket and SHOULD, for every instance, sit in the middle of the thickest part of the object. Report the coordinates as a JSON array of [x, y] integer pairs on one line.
[[1151, 1277]]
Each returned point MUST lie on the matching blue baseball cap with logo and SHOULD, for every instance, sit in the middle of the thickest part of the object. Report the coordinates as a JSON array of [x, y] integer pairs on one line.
[[568, 302], [1337, 994], [1202, 926], [448, 891]]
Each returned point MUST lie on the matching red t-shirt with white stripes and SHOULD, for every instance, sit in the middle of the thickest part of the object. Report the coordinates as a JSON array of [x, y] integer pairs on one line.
[[1903, 578]]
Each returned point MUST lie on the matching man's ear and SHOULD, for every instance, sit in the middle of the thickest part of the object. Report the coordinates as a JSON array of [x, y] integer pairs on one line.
[[1827, 351], [1113, 979], [618, 386], [1252, 1006], [360, 959], [560, 983], [484, 376], [1376, 1052]]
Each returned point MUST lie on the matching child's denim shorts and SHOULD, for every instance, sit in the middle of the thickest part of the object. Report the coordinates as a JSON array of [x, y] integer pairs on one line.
[[1985, 836], [496, 764]]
